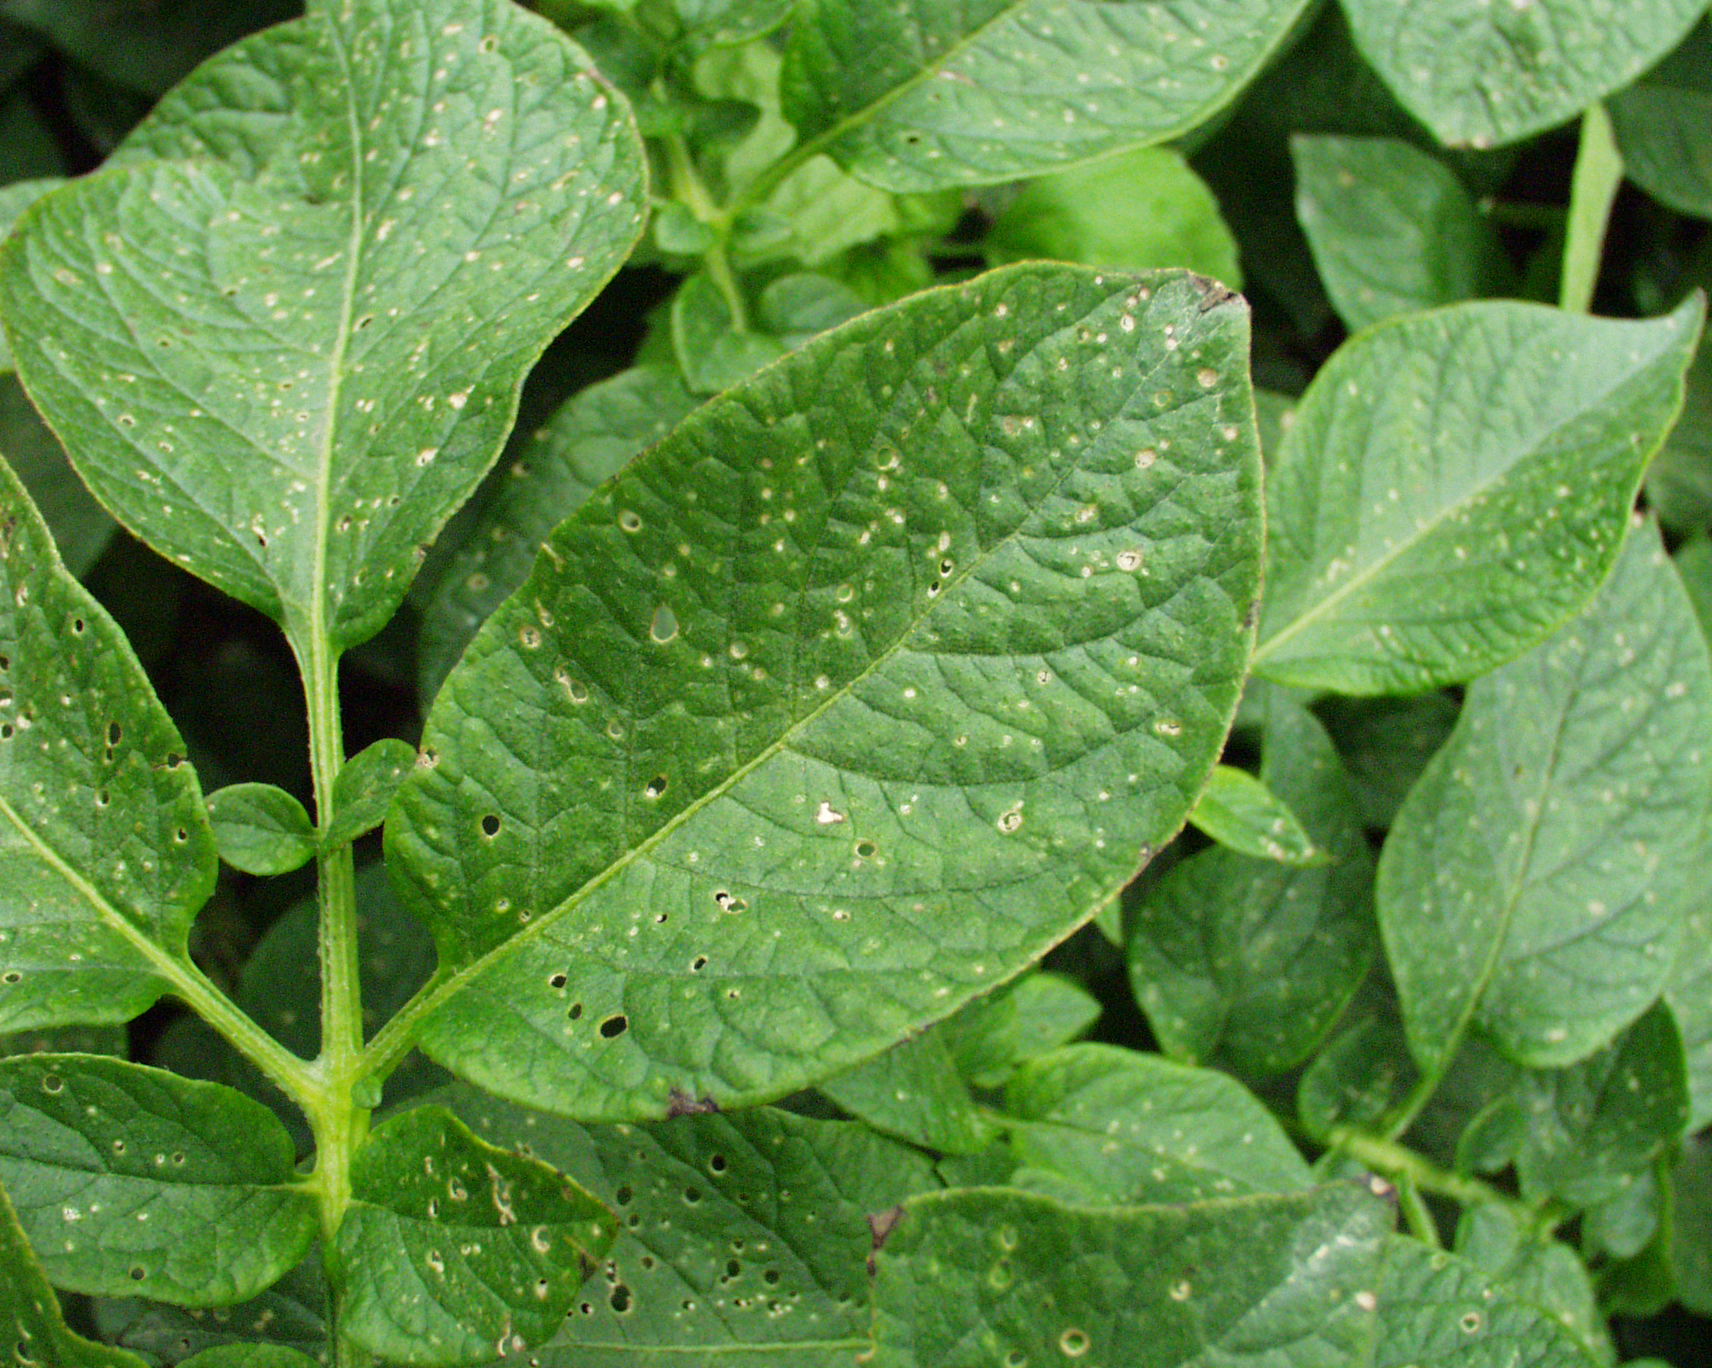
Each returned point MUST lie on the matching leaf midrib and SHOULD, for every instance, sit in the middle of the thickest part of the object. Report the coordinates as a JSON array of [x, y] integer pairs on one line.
[[1363, 578], [439, 990]]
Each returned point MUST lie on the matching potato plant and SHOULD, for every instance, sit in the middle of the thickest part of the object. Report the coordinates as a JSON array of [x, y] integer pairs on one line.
[[1071, 725]]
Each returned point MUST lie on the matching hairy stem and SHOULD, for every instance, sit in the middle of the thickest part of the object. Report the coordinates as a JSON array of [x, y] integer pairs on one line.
[[1598, 174]]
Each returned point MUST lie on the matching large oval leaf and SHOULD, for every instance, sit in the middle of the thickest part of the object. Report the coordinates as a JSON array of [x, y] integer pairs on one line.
[[284, 359], [1455, 485], [841, 705], [922, 94], [1484, 72], [1535, 879]]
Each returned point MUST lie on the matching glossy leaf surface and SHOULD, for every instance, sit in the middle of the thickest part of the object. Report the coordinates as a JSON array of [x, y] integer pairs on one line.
[[133, 1181], [103, 834], [924, 93], [874, 680], [276, 355], [1455, 486], [1479, 73], [1534, 879], [965, 1278]]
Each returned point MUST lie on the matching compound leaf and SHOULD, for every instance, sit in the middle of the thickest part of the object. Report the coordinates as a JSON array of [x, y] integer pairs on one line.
[[966, 1277], [1480, 74], [1534, 880], [1392, 229], [1455, 485], [727, 1221], [277, 356], [131, 1181], [923, 94], [455, 1251], [103, 834], [875, 679]]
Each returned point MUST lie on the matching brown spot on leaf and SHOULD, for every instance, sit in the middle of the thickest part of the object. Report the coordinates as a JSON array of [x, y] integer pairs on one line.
[[881, 1224], [1212, 293], [682, 1104]]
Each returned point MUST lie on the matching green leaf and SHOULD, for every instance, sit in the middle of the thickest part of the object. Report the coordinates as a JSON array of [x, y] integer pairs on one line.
[[967, 1277], [713, 352], [1535, 1268], [1359, 1078], [365, 787], [1133, 212], [1691, 1234], [250, 1356], [948, 624], [1533, 882], [1437, 1309], [1385, 743], [14, 199], [1242, 814], [307, 413], [90, 765], [743, 1238], [1679, 481], [923, 94], [1480, 74], [549, 475], [1095, 1123], [132, 1181], [1391, 228], [261, 829], [1689, 993], [81, 527], [1593, 1129], [455, 1251], [1664, 127], [1455, 486], [31, 1323], [725, 23], [1247, 961], [146, 47], [913, 1091], [1029, 1016]]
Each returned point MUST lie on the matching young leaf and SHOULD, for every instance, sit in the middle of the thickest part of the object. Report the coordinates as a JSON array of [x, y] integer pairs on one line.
[[712, 351], [1248, 961], [306, 413], [1455, 486], [1593, 1129], [1136, 211], [261, 829], [922, 94], [134, 1182], [1662, 124], [1436, 1308], [743, 1238], [952, 598], [1479, 74], [1534, 879], [552, 472], [31, 1323], [365, 788], [1391, 228], [103, 834], [454, 1251], [913, 1091], [1242, 814], [1095, 1123], [966, 1278]]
